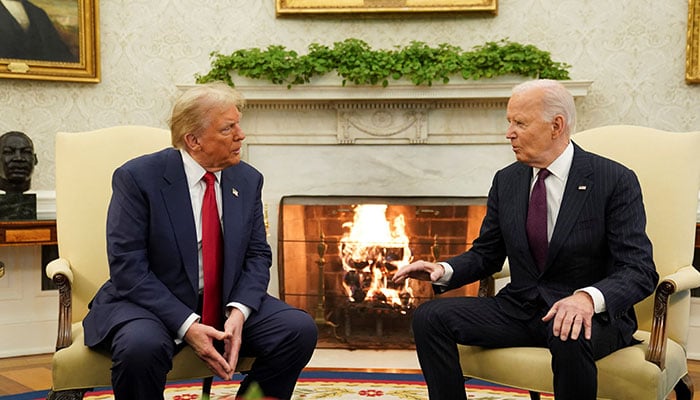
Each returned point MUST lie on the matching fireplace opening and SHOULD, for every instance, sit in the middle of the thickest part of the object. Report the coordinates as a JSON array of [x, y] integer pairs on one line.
[[337, 254]]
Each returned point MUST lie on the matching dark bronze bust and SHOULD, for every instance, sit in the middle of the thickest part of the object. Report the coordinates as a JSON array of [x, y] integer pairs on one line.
[[17, 162]]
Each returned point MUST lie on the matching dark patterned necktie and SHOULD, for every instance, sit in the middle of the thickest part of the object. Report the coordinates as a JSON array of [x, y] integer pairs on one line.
[[537, 220], [212, 256]]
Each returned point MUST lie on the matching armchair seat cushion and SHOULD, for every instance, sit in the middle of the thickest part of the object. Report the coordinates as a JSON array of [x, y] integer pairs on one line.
[[69, 370], [624, 371]]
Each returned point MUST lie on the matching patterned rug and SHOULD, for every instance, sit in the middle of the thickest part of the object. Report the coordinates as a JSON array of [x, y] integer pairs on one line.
[[325, 385]]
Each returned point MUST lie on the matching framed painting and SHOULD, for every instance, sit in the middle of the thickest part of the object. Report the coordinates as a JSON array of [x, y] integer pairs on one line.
[[297, 7], [50, 40], [692, 49]]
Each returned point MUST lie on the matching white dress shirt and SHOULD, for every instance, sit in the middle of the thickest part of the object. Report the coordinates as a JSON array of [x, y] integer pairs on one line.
[[194, 173]]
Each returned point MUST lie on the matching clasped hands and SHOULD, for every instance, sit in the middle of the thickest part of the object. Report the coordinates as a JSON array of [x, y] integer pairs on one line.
[[570, 315], [201, 338]]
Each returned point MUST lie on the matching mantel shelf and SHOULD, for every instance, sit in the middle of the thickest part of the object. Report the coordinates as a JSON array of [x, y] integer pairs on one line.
[[497, 89], [325, 112]]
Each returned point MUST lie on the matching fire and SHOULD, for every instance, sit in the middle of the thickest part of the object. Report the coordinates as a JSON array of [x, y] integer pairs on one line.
[[372, 249]]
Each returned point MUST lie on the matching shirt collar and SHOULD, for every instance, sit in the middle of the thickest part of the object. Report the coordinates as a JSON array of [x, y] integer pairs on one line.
[[561, 166], [193, 171]]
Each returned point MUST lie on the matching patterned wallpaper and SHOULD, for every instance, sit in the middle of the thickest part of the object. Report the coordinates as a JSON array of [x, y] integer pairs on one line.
[[633, 51]]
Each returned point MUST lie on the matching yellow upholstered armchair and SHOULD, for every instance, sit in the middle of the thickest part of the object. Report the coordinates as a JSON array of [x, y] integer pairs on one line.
[[668, 167], [84, 165]]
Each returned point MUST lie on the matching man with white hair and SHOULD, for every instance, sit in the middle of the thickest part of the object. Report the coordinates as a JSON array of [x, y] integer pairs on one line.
[[572, 225]]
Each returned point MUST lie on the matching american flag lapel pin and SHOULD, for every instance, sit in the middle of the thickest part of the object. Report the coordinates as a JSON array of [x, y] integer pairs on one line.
[[234, 192]]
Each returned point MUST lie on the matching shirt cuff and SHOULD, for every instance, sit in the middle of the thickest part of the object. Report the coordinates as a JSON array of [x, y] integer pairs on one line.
[[597, 296], [185, 326], [445, 279], [244, 309]]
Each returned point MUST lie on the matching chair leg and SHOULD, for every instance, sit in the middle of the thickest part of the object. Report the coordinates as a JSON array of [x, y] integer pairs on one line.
[[534, 395], [75, 394], [684, 388], [206, 387]]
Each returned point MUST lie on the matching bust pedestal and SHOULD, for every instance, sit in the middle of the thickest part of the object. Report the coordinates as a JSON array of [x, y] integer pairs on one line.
[[17, 206]]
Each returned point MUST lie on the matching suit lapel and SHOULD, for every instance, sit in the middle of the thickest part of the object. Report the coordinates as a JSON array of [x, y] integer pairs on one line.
[[521, 194], [8, 23], [232, 196], [176, 196], [578, 186]]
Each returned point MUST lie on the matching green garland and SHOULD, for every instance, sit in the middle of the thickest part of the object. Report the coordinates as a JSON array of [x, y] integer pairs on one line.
[[356, 62]]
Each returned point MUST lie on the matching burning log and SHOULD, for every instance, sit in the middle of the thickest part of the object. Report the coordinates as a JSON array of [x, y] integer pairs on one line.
[[371, 251]]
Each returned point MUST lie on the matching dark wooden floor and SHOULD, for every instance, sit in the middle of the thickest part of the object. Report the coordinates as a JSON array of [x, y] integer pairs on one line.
[[30, 373]]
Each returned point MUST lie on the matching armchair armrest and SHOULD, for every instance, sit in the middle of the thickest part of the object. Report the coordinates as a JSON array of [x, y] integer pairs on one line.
[[59, 271], [59, 266], [685, 278]]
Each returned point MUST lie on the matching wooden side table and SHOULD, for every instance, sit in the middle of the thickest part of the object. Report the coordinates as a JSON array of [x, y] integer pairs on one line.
[[28, 233]]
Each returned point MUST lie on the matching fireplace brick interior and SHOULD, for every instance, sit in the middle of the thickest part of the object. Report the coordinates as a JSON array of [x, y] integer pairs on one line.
[[312, 273]]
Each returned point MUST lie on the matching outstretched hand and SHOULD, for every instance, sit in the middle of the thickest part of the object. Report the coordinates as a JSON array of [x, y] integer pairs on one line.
[[421, 270], [201, 338]]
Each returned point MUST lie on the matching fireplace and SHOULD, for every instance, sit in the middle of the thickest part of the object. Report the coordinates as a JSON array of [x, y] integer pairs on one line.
[[337, 254]]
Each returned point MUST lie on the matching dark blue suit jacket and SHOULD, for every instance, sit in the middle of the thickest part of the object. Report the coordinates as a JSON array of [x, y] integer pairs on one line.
[[599, 240], [152, 245]]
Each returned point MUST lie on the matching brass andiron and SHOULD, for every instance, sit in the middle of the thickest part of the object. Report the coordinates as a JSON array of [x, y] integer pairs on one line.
[[435, 249], [320, 317]]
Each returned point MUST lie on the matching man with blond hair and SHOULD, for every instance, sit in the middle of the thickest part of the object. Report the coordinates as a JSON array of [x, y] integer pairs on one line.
[[163, 248]]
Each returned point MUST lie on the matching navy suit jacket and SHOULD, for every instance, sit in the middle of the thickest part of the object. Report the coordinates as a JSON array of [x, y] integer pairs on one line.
[[599, 240], [152, 246]]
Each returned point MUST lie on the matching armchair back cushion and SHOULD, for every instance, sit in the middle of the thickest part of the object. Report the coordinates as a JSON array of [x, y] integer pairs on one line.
[[85, 162], [668, 167]]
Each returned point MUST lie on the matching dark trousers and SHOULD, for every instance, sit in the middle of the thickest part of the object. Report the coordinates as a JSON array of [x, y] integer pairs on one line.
[[282, 342], [439, 325]]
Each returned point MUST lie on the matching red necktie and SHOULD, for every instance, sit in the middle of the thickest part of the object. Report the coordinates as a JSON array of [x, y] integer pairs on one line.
[[537, 220], [212, 256]]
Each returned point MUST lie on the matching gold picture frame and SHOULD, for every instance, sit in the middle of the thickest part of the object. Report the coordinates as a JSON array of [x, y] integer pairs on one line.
[[692, 48], [69, 46], [308, 7]]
